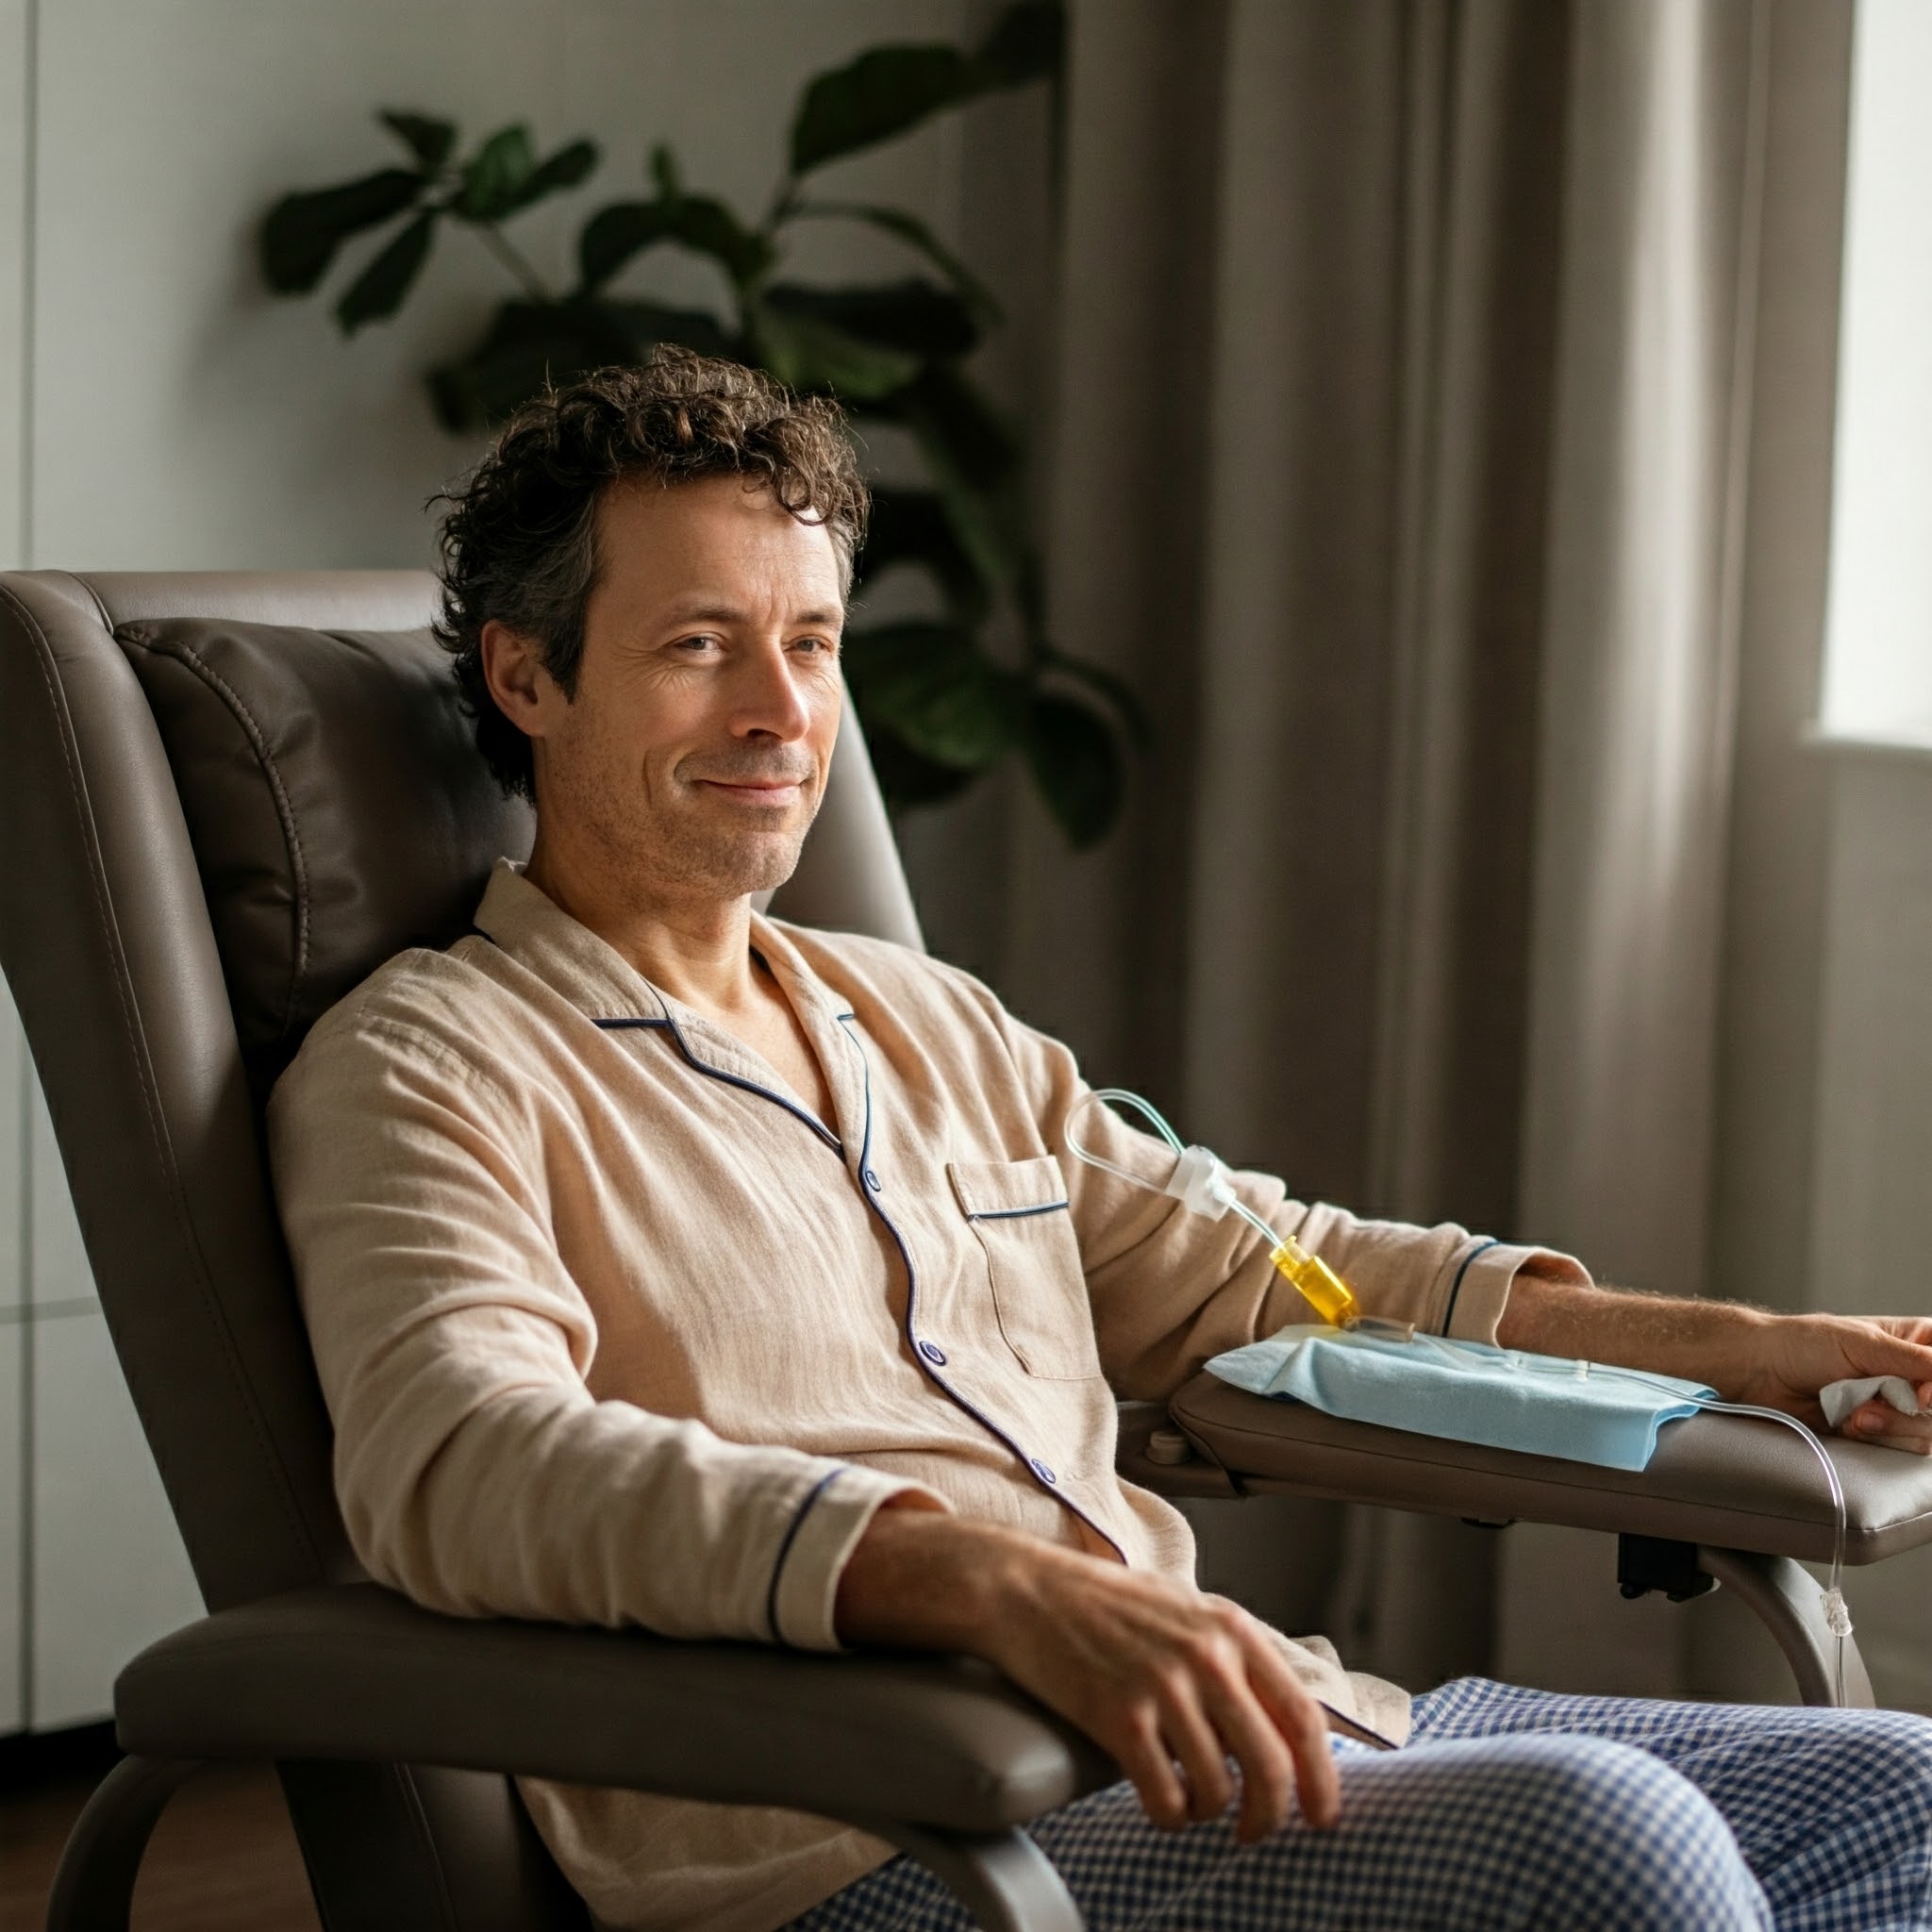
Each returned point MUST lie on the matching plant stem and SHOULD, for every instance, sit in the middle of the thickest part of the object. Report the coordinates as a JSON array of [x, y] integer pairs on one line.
[[784, 205], [514, 259]]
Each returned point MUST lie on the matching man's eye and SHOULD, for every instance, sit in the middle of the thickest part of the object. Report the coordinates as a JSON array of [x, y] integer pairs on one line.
[[822, 648], [697, 645]]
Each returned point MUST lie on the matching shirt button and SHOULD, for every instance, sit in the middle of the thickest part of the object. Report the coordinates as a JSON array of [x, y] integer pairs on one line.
[[933, 1353], [870, 1179], [1044, 1474]]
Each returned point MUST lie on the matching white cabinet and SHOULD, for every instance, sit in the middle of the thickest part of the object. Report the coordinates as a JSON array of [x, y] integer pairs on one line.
[[92, 1567], [12, 1568], [13, 1162], [57, 1274], [110, 1574], [12, 1371]]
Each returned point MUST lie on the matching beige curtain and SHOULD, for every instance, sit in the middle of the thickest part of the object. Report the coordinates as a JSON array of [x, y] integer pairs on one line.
[[1402, 420]]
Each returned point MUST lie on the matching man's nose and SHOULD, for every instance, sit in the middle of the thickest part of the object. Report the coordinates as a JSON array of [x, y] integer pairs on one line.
[[770, 698]]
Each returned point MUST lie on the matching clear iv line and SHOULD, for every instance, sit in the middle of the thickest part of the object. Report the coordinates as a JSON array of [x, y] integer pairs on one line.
[[1838, 1615], [1200, 1182]]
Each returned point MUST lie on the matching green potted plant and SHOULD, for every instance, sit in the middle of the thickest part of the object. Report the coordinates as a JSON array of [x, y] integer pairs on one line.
[[939, 708]]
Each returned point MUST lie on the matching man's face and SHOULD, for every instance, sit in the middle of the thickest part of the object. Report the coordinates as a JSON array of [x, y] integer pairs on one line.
[[691, 760]]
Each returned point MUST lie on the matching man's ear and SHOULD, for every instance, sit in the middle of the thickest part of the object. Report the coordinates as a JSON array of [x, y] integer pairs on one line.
[[524, 691]]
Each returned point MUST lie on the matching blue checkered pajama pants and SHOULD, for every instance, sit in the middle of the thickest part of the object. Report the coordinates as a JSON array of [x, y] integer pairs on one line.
[[1513, 1808]]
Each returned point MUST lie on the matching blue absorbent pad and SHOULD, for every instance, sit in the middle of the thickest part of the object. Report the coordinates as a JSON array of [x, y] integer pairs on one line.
[[1470, 1391]]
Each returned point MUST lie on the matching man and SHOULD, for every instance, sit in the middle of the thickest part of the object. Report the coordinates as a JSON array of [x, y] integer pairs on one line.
[[666, 1265]]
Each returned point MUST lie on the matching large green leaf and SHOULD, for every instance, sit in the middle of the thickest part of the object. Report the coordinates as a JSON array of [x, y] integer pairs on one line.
[[429, 140], [615, 235], [908, 779], [813, 354], [377, 292], [931, 685], [890, 90], [531, 344], [302, 232], [496, 174], [1027, 43], [883, 92], [911, 527], [526, 345], [1120, 697], [918, 317], [644, 324], [1077, 764], [564, 169], [962, 433], [915, 234], [974, 460]]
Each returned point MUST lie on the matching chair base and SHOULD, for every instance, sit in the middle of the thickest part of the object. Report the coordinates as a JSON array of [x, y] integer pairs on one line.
[[93, 1887], [1791, 1605], [1003, 1878], [1779, 1593]]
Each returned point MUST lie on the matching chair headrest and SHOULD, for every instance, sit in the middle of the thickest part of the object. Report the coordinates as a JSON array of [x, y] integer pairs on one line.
[[337, 805]]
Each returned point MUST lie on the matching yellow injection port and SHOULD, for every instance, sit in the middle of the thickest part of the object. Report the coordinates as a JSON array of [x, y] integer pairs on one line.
[[1319, 1285]]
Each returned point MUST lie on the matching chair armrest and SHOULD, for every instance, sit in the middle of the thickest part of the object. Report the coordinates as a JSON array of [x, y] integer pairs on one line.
[[355, 1672], [1725, 1481]]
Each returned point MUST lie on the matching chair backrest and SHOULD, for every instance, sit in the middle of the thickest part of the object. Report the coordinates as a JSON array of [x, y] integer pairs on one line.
[[226, 799]]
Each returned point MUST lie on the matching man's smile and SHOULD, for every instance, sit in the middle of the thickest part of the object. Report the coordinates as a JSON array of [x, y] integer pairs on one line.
[[762, 793]]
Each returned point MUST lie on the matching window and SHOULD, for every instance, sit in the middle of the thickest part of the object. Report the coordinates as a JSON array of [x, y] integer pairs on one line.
[[1878, 611]]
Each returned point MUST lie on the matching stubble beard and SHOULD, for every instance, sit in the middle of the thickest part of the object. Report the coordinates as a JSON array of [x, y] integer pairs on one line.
[[686, 855]]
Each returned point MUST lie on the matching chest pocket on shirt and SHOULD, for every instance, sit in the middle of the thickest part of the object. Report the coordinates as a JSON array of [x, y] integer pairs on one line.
[[1018, 1211]]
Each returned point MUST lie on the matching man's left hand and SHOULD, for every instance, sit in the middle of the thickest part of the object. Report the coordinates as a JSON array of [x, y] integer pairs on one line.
[[1799, 1354]]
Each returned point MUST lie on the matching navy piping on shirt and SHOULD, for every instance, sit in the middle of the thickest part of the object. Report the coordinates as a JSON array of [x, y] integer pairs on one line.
[[805, 1508], [985, 1421], [1021, 1213], [846, 1022], [1455, 1286], [791, 1107]]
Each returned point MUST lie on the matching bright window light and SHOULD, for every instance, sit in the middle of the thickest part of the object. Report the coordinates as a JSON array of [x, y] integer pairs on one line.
[[1878, 613]]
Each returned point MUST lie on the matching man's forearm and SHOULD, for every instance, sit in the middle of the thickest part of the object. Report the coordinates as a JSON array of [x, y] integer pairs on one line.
[[1701, 1341], [921, 1581], [1168, 1681]]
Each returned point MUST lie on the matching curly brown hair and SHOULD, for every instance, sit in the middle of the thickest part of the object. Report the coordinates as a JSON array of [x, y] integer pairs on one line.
[[519, 542]]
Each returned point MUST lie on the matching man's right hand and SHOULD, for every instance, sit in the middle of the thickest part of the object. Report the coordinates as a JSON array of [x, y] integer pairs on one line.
[[1170, 1682]]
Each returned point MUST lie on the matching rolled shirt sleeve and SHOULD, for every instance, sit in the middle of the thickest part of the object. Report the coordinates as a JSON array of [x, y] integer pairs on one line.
[[476, 1470]]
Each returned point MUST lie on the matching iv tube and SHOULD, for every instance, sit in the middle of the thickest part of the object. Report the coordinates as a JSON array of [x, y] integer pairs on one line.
[[1205, 1188], [1838, 1615]]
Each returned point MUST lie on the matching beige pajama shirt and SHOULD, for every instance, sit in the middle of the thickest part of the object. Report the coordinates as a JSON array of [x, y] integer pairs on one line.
[[614, 1331]]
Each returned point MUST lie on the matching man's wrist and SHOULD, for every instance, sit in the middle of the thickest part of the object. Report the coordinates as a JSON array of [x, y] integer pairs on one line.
[[927, 1581]]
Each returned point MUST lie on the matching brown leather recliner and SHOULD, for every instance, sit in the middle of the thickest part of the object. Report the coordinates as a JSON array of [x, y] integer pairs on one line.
[[225, 799]]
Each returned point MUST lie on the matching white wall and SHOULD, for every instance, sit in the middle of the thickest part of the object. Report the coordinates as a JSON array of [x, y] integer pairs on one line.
[[159, 411], [242, 431]]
